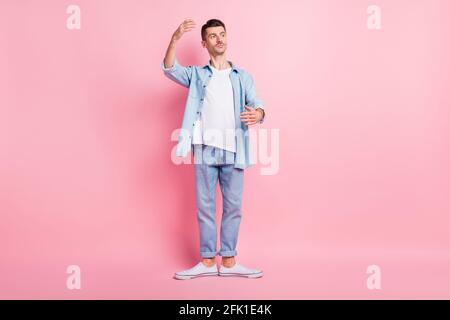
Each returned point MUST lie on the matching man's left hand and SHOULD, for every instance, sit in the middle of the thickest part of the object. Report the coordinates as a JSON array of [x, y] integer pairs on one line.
[[251, 116]]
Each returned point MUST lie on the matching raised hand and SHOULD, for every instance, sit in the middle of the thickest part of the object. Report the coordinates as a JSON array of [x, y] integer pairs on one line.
[[186, 26]]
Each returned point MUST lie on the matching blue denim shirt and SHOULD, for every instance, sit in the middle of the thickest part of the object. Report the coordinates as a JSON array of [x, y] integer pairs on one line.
[[196, 78]]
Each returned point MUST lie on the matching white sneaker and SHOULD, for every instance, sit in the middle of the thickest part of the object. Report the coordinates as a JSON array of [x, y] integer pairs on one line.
[[239, 271], [199, 270]]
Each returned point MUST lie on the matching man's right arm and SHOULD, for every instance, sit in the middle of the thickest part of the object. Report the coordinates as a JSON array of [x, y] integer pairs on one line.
[[169, 59], [172, 69]]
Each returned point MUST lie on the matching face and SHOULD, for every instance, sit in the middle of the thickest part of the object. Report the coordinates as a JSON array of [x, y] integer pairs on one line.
[[216, 40]]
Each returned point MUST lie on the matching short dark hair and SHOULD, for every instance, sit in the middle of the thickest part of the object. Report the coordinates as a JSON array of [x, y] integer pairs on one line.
[[211, 23]]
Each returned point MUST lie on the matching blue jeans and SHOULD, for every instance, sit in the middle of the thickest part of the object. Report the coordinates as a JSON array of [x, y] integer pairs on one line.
[[217, 164]]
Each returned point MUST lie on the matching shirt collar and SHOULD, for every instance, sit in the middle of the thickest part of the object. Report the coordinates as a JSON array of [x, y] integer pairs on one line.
[[233, 67]]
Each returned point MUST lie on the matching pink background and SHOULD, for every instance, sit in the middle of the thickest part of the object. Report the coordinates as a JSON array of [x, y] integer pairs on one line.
[[86, 176]]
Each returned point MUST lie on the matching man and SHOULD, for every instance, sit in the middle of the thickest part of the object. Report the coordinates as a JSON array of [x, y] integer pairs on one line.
[[221, 104]]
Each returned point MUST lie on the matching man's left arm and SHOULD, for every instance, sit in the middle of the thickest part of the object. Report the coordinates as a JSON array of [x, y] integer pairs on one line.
[[256, 113]]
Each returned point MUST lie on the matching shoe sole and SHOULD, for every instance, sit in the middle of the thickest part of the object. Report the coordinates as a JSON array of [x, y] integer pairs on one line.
[[242, 275], [201, 275]]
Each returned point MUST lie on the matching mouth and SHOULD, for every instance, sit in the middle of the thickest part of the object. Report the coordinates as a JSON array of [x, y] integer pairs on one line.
[[220, 45]]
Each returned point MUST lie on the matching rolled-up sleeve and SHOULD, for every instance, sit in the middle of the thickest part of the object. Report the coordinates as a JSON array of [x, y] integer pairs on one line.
[[178, 73]]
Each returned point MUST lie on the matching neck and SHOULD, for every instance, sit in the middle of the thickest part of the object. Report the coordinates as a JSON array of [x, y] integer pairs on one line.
[[220, 62]]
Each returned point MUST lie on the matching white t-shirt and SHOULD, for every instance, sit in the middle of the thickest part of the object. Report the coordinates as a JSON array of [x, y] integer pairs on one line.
[[216, 126]]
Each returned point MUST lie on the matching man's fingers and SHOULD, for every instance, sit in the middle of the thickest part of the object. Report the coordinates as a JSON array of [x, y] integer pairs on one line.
[[184, 30], [248, 115], [187, 24], [190, 25], [248, 112], [249, 123], [188, 28], [248, 120]]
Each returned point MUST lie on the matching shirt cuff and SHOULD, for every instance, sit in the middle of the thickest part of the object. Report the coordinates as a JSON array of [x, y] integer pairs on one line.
[[169, 69]]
